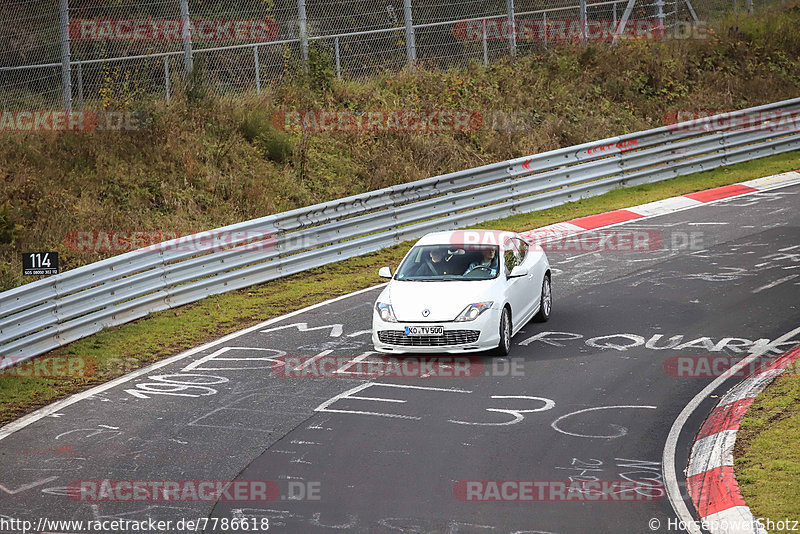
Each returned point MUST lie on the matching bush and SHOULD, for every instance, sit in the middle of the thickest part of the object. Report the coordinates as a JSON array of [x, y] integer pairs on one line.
[[273, 144]]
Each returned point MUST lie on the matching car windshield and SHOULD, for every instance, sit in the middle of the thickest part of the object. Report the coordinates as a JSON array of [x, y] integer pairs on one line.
[[450, 262]]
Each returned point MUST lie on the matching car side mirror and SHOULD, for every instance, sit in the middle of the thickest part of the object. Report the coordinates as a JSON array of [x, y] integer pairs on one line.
[[385, 272], [518, 272]]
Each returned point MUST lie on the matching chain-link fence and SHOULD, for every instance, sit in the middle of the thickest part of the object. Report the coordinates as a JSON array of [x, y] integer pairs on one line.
[[101, 53]]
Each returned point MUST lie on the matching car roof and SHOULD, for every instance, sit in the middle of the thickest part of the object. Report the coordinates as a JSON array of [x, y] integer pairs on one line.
[[467, 237]]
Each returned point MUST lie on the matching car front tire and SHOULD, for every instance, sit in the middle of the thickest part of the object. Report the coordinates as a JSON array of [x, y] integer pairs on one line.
[[504, 346], [545, 301]]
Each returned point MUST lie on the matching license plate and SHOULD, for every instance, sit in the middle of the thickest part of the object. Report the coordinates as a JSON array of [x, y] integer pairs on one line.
[[424, 330]]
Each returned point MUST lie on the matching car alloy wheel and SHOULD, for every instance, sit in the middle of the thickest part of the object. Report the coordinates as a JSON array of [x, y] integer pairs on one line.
[[546, 301], [505, 333]]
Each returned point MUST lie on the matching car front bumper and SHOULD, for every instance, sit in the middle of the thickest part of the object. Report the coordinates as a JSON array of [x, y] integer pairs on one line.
[[459, 337]]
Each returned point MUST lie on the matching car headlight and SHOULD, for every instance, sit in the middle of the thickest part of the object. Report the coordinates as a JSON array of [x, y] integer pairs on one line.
[[472, 311], [385, 312]]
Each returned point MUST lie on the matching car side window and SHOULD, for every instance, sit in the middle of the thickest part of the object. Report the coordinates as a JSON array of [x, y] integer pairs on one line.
[[510, 259], [522, 247]]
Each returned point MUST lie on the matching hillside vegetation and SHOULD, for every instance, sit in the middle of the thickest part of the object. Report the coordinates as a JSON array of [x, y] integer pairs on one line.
[[205, 161]]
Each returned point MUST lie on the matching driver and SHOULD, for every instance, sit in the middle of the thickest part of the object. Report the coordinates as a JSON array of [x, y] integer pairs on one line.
[[487, 260], [434, 264]]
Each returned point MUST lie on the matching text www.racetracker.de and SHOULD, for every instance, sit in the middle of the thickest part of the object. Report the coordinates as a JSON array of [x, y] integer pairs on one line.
[[203, 524]]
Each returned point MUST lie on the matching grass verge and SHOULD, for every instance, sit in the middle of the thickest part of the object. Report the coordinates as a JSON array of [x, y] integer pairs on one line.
[[767, 453], [122, 349]]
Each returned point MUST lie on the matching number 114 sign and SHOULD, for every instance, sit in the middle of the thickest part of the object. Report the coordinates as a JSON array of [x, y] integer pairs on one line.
[[38, 263]]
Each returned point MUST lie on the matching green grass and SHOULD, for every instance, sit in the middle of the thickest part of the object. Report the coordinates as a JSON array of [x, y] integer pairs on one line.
[[767, 451], [121, 349]]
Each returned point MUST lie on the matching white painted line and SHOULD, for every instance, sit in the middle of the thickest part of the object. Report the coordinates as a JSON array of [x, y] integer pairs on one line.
[[31, 418], [776, 283], [351, 363], [336, 329], [376, 399], [621, 431], [314, 359], [195, 365], [670, 447]]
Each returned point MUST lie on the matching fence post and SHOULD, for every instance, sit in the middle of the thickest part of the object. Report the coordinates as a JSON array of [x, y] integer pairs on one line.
[[411, 43], [485, 45], [660, 13], [166, 75], [544, 28], [258, 70], [582, 17], [66, 73], [512, 28], [301, 12], [338, 58], [749, 5], [80, 86], [186, 34]]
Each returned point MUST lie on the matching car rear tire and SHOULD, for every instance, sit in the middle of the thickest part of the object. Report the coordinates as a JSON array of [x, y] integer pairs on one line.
[[504, 347], [545, 302]]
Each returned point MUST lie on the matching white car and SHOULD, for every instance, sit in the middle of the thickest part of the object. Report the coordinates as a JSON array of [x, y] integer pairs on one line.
[[462, 291]]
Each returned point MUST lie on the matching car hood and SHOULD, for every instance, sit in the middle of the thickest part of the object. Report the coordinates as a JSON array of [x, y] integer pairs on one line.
[[445, 300]]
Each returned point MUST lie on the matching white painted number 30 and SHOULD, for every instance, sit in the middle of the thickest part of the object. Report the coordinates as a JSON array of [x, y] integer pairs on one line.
[[516, 415]]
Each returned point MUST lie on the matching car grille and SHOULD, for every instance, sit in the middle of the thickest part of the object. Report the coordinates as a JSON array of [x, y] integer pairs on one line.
[[450, 337]]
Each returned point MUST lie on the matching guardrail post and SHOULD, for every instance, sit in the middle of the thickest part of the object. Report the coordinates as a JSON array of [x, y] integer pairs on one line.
[[166, 75], [66, 73], [411, 42], [301, 12], [512, 28], [338, 59], [258, 70], [186, 34]]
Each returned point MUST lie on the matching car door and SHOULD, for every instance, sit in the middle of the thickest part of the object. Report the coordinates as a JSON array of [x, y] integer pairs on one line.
[[517, 289], [531, 285]]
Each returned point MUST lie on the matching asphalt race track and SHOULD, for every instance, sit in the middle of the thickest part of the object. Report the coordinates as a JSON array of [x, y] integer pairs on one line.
[[586, 395]]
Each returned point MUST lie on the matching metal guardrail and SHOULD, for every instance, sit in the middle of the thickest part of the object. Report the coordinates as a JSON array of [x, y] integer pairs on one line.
[[48, 313]]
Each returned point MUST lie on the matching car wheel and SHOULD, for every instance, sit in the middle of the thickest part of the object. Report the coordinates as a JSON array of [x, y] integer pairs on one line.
[[545, 301], [505, 333]]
